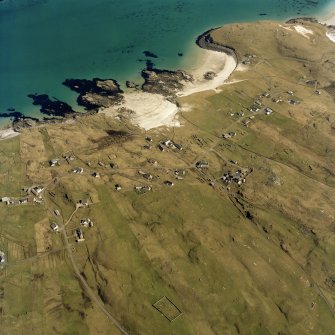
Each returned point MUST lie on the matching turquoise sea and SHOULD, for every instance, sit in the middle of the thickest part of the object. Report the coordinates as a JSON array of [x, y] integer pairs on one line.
[[43, 42]]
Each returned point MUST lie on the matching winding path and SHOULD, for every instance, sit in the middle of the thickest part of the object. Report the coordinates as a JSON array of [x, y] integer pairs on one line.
[[84, 283]]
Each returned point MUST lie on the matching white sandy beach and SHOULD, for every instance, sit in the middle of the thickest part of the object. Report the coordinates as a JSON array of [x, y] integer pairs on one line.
[[153, 110], [218, 62], [329, 18]]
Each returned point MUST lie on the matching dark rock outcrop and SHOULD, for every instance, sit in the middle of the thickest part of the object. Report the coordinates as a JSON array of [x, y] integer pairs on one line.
[[11, 114], [210, 75], [50, 107], [301, 19], [95, 93], [164, 82]]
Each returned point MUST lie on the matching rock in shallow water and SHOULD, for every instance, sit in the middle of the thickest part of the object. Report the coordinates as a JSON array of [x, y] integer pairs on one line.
[[149, 54], [51, 107]]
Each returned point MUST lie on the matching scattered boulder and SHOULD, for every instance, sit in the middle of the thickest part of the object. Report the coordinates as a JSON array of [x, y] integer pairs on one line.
[[131, 84], [283, 246], [210, 75]]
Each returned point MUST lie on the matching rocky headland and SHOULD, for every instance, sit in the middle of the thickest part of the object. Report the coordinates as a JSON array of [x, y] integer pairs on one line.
[[206, 41]]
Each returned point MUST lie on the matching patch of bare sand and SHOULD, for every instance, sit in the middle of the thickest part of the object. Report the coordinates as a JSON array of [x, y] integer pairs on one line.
[[8, 133], [301, 30]]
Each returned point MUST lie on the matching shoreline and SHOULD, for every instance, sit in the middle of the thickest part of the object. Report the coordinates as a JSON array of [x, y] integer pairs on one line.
[[152, 110]]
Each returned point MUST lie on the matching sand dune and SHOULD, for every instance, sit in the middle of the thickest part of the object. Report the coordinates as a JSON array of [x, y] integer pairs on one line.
[[151, 110]]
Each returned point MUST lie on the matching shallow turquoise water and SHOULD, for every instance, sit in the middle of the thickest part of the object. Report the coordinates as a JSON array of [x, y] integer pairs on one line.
[[44, 42]]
